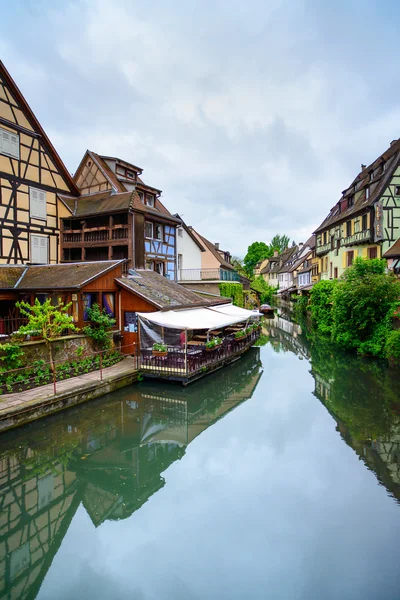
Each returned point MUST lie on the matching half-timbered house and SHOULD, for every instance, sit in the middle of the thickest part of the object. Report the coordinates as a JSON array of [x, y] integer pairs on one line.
[[118, 216], [365, 222], [31, 176]]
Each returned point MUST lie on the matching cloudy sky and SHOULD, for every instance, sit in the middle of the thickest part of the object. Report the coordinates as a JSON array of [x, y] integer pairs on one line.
[[250, 116]]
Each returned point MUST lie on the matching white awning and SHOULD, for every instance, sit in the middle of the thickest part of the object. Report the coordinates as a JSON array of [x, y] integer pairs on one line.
[[236, 311], [193, 318]]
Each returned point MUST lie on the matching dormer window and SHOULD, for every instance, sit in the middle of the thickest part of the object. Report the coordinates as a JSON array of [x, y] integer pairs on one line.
[[120, 170], [141, 197], [371, 175], [367, 192], [351, 201], [130, 174], [150, 200]]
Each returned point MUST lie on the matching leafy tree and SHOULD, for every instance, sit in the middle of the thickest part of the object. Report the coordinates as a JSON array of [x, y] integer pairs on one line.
[[237, 263], [48, 320], [279, 242], [255, 252], [100, 324], [264, 290], [363, 305], [321, 305]]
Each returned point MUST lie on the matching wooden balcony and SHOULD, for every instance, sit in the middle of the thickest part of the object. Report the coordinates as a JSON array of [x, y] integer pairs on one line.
[[116, 234]]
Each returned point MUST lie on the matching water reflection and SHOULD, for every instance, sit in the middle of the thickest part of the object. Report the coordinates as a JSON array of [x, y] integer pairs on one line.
[[108, 456], [362, 395]]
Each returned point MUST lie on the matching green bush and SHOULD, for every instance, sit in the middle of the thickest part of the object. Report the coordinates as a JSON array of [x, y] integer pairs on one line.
[[12, 356], [321, 305], [264, 290], [229, 289], [100, 325], [392, 345]]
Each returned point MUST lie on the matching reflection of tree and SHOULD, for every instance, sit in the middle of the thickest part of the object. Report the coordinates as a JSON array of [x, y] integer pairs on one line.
[[107, 455], [360, 394]]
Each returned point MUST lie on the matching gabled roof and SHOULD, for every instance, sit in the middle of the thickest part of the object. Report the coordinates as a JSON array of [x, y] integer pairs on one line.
[[163, 293], [39, 129], [190, 233], [213, 249], [107, 202], [284, 258], [393, 251], [57, 277], [375, 177]]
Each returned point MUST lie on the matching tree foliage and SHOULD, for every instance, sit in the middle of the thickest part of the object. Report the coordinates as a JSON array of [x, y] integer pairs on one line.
[[255, 252], [279, 242], [356, 311], [264, 290], [233, 291], [47, 320]]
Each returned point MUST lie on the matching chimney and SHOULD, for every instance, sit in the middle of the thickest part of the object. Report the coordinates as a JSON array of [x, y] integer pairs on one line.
[[276, 253], [216, 245], [363, 167], [300, 244], [392, 142]]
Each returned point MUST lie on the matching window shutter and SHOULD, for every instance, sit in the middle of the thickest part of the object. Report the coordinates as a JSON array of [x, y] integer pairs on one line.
[[35, 258], [9, 143], [38, 208], [14, 145], [43, 250]]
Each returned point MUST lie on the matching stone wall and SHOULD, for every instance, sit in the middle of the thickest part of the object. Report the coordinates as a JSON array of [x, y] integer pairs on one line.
[[64, 349]]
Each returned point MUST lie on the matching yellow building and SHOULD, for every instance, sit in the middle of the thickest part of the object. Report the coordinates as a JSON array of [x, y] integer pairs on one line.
[[366, 221], [31, 175]]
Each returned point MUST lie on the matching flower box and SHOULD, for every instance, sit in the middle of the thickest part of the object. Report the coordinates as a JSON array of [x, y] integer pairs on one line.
[[213, 348], [159, 352]]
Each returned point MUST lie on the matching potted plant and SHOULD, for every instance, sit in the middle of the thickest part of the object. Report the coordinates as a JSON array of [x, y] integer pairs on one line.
[[240, 334], [18, 337], [213, 344], [35, 336], [159, 349]]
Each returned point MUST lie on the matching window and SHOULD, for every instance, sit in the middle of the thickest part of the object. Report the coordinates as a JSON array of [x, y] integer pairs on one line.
[[325, 237], [130, 322], [335, 271], [141, 197], [37, 204], [149, 200], [350, 201], [330, 270], [109, 303], [367, 192], [356, 226], [39, 249], [130, 174], [373, 252], [397, 190], [88, 300], [371, 175], [332, 242], [326, 263], [364, 222], [148, 229], [350, 258], [159, 268], [348, 228], [180, 257], [158, 232], [9, 143], [180, 232]]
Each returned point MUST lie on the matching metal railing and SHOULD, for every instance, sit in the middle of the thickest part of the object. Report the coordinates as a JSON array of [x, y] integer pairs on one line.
[[207, 275], [178, 363]]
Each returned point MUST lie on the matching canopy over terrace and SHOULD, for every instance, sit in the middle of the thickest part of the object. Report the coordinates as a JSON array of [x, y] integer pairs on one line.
[[211, 318]]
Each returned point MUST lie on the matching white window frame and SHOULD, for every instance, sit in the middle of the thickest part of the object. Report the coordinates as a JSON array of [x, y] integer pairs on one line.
[[150, 200], [41, 248], [158, 225], [40, 201], [180, 231], [130, 174], [146, 224], [141, 197], [9, 147], [367, 192]]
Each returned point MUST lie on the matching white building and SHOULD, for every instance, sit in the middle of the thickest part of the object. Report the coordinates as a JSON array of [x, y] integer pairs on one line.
[[188, 250]]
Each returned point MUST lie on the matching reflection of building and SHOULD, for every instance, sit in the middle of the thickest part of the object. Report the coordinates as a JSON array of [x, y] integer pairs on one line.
[[108, 455], [283, 331]]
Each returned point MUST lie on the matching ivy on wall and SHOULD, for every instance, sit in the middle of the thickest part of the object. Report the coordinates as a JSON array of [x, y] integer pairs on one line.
[[234, 291]]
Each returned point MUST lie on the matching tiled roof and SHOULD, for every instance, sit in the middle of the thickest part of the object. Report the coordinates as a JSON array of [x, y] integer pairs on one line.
[[57, 277], [212, 248], [163, 293], [381, 170], [393, 250], [285, 257], [107, 202], [9, 275]]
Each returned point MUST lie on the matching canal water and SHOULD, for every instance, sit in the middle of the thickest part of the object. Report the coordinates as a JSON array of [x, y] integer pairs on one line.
[[275, 478]]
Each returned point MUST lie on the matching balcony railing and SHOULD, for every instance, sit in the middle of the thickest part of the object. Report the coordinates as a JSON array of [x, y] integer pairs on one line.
[[356, 238], [323, 249], [207, 275], [96, 235]]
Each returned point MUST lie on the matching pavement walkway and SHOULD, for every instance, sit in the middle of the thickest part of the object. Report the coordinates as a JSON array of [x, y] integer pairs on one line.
[[9, 402]]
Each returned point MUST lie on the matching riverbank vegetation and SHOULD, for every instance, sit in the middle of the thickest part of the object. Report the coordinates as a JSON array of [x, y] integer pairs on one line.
[[357, 311]]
